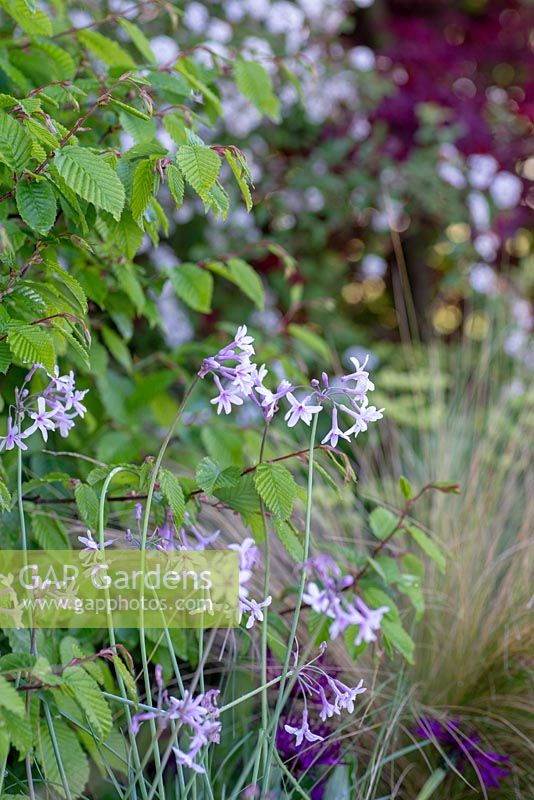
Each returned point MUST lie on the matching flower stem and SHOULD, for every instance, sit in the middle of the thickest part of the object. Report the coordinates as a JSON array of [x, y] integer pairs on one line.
[[296, 613]]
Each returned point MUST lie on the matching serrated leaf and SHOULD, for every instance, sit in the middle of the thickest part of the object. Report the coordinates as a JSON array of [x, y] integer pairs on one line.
[[106, 49], [240, 176], [255, 83], [89, 697], [15, 143], [139, 39], [36, 204], [5, 357], [210, 477], [87, 503], [31, 344], [248, 280], [173, 492], [290, 540], [76, 765], [127, 677], [33, 22], [20, 732], [382, 522], [176, 184], [49, 533], [5, 497], [200, 166], [142, 188], [194, 286], [91, 178], [276, 487], [428, 546], [243, 497], [10, 699]]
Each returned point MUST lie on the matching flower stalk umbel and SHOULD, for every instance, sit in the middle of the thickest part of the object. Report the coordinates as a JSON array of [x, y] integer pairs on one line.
[[237, 378]]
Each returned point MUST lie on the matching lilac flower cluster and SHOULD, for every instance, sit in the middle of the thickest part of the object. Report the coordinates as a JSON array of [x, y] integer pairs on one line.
[[243, 379], [53, 409], [328, 596], [330, 693], [196, 717], [248, 558], [463, 748]]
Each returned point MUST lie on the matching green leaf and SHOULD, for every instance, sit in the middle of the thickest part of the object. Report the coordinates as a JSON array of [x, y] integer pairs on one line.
[[290, 540], [5, 357], [32, 21], [36, 203], [395, 635], [210, 477], [15, 143], [89, 697], [142, 188], [248, 280], [194, 286], [117, 347], [428, 546], [382, 522], [210, 97], [31, 344], [49, 532], [255, 83], [75, 761], [5, 497], [139, 39], [311, 340], [277, 489], [106, 49], [87, 503], [91, 178], [127, 677], [406, 487], [200, 166], [10, 699], [176, 184], [242, 497], [20, 732], [241, 175], [173, 492]]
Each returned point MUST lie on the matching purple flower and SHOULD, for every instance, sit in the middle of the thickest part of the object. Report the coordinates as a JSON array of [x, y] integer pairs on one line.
[[335, 431], [463, 748], [226, 397], [42, 419], [302, 732], [90, 543], [300, 410], [13, 437], [369, 620], [248, 557]]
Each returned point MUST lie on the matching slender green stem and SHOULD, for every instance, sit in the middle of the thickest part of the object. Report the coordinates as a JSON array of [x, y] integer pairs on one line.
[[434, 781], [24, 545], [261, 746], [296, 613], [144, 537], [57, 752], [111, 629]]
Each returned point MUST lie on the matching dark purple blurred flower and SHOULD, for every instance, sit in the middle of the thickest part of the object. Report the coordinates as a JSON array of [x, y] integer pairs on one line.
[[305, 759], [462, 746]]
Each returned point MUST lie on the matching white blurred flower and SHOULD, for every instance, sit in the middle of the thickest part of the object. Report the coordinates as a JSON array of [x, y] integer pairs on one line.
[[373, 266], [362, 58], [487, 245], [196, 17], [285, 17], [506, 190], [479, 210], [176, 324], [483, 279], [481, 168], [452, 175], [165, 49], [220, 31]]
